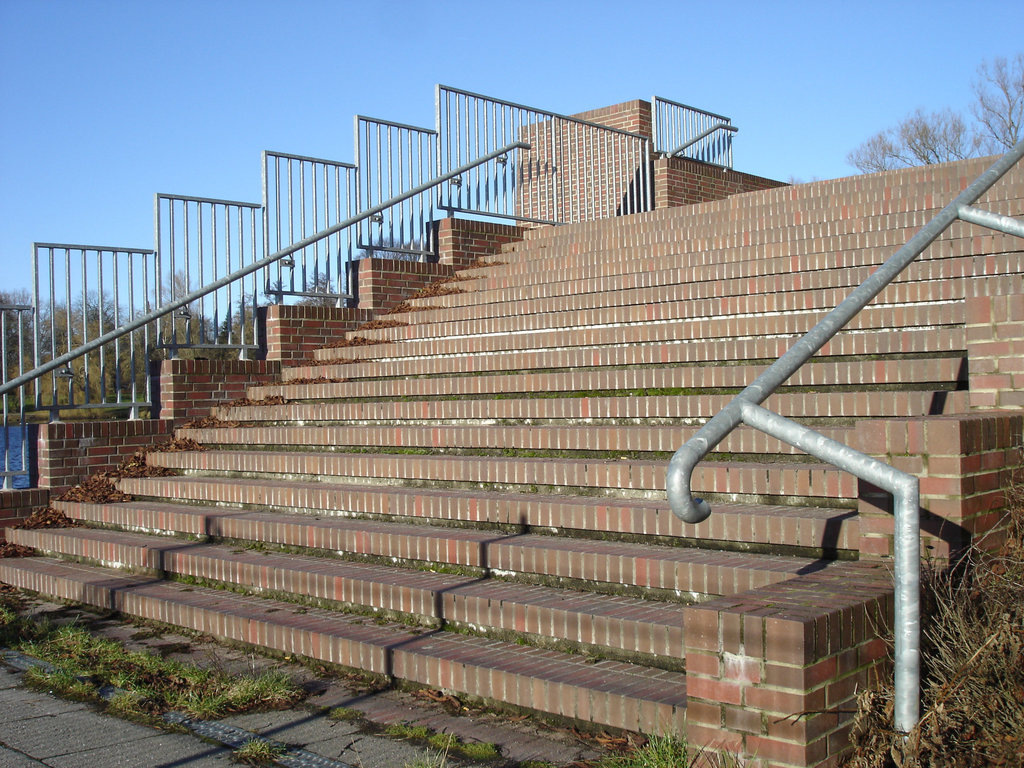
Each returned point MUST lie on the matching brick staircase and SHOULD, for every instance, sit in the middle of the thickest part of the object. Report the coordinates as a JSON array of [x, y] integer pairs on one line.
[[475, 501]]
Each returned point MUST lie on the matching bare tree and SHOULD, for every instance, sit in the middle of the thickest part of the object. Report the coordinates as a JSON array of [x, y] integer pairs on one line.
[[999, 105], [918, 139], [938, 137]]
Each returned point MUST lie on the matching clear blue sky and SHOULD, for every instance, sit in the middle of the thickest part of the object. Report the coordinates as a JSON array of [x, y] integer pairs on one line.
[[107, 102]]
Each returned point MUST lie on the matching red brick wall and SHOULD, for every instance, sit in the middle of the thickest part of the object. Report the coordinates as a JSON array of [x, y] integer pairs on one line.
[[17, 504], [995, 343], [683, 181], [965, 464], [633, 116], [772, 674], [71, 451], [294, 332], [460, 242], [383, 283], [188, 389]]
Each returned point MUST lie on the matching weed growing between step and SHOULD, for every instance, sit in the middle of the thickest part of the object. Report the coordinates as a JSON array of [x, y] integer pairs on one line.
[[446, 743], [258, 752], [972, 690], [84, 665]]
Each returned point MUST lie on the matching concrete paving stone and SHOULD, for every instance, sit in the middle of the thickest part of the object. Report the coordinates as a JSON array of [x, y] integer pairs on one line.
[[161, 750], [11, 759], [47, 735]]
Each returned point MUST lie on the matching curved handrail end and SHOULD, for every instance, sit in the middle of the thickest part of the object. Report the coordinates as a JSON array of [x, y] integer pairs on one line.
[[680, 468]]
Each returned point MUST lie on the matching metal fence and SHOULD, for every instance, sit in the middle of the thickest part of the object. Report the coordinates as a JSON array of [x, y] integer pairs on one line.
[[574, 171], [393, 158], [198, 241], [302, 196], [16, 351], [81, 292], [681, 130]]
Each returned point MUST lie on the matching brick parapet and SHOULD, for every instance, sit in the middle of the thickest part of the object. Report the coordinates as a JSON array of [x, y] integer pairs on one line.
[[293, 332], [633, 116], [772, 674], [684, 181], [69, 452], [995, 342], [188, 389], [383, 283], [462, 242], [18, 503], [966, 463]]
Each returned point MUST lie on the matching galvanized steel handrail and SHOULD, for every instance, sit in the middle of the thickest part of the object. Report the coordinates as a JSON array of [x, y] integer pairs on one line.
[[745, 409], [702, 135], [181, 301], [676, 127]]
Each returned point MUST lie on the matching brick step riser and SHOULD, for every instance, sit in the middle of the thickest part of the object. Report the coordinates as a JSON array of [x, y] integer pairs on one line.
[[722, 273], [584, 621], [588, 331], [490, 669], [565, 441], [923, 373], [798, 529], [594, 410], [682, 572], [648, 304], [371, 362]]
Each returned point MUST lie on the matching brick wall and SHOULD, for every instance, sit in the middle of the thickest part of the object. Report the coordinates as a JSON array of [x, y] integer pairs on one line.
[[17, 504], [683, 181], [965, 463], [71, 451], [188, 389], [633, 116], [383, 283], [460, 242], [995, 342], [292, 333], [772, 674]]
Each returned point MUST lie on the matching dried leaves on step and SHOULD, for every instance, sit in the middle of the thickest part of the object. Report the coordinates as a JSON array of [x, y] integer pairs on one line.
[[378, 323], [209, 422], [95, 490], [7, 549], [47, 517], [243, 402]]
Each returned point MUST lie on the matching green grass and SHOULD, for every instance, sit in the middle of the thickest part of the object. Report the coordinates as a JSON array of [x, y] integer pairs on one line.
[[445, 743], [258, 752], [84, 663]]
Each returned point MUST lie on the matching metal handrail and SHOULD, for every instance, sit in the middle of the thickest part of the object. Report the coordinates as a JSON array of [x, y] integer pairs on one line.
[[249, 269], [745, 409], [703, 135]]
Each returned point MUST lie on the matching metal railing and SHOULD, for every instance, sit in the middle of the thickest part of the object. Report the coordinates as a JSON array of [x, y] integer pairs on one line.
[[695, 133], [575, 170], [745, 408], [302, 196], [80, 292], [198, 240], [392, 158], [16, 350], [173, 304]]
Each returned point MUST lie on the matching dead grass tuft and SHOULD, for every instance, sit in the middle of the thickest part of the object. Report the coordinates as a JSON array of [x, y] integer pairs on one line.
[[972, 667]]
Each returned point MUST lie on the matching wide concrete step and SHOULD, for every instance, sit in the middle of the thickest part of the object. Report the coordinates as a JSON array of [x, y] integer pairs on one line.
[[584, 330], [929, 373], [633, 346], [595, 439], [762, 527], [676, 408], [814, 484], [617, 566], [605, 692], [621, 624]]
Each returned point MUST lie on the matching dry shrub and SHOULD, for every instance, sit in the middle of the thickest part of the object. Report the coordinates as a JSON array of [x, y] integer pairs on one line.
[[972, 639]]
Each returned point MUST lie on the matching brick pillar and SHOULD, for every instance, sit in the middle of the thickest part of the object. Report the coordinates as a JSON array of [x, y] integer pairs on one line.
[[293, 332], [383, 283], [772, 674], [995, 343], [17, 504], [71, 451], [461, 242], [188, 389]]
